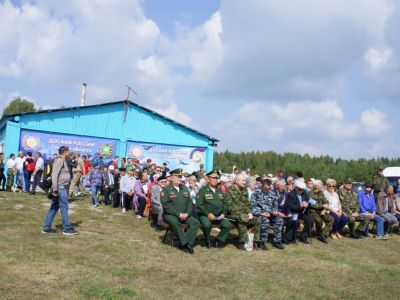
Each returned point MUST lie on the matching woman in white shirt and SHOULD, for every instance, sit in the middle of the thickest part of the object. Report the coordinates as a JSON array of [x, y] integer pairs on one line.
[[335, 209]]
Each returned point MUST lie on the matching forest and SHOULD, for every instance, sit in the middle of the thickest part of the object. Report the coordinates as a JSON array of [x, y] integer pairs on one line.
[[321, 167]]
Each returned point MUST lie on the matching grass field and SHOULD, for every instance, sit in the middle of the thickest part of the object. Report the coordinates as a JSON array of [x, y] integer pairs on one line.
[[120, 257]]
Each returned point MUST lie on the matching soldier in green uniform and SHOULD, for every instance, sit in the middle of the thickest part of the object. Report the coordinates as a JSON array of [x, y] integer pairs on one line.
[[212, 210], [177, 206], [351, 208], [239, 209], [379, 182], [319, 211]]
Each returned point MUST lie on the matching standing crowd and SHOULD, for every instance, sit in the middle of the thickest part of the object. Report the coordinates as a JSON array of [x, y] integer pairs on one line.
[[292, 208]]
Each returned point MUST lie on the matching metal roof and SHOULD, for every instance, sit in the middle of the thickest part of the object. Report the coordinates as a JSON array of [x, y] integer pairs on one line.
[[110, 103]]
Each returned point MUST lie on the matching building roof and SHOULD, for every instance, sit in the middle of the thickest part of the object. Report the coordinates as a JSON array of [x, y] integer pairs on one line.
[[214, 140]]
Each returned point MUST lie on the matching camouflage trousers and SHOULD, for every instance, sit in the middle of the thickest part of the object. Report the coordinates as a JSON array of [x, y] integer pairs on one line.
[[243, 227], [277, 222], [319, 220], [351, 222]]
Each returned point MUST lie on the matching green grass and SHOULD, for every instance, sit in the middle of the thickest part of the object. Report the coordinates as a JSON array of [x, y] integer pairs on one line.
[[120, 257]]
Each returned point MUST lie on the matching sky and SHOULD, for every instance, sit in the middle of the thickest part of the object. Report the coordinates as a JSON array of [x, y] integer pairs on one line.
[[313, 77]]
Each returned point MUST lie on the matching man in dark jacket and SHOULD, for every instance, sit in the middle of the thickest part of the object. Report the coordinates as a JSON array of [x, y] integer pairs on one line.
[[298, 205], [117, 191]]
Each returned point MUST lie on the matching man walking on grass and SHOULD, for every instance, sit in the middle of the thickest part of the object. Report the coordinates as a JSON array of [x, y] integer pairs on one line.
[[61, 179]]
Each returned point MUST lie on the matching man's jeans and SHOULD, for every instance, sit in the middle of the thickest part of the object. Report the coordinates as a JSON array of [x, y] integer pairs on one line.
[[95, 188], [379, 226], [56, 204], [20, 179]]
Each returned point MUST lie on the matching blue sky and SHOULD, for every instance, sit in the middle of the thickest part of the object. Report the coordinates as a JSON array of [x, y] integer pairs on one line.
[[259, 74]]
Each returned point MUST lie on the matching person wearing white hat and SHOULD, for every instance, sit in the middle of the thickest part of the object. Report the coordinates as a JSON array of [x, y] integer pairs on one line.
[[298, 208]]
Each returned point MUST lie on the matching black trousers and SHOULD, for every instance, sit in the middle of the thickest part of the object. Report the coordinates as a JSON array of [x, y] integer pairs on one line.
[[116, 198], [142, 206], [107, 193], [36, 180], [127, 201], [293, 225], [3, 179]]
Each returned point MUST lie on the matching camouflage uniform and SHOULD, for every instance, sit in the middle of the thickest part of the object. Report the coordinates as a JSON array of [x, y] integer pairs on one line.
[[379, 183], [261, 202], [209, 201], [237, 201], [315, 212], [350, 205]]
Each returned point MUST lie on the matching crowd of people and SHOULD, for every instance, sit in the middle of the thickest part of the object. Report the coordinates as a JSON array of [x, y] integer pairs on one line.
[[293, 208]]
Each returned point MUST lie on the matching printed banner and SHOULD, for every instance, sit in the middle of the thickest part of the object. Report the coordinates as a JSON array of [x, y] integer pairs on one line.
[[99, 151], [2, 141], [187, 158]]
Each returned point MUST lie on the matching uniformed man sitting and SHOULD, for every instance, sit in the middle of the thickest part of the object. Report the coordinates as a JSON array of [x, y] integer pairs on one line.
[[351, 208], [177, 206], [264, 204], [212, 210], [237, 201]]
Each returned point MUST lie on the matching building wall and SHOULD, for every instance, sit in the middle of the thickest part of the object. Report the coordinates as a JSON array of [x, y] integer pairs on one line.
[[108, 122]]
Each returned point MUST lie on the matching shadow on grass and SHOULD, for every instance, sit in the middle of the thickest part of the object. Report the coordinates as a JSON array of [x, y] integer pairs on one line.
[[73, 224]]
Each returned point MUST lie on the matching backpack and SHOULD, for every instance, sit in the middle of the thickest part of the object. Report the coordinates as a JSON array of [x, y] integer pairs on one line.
[[47, 181], [30, 166]]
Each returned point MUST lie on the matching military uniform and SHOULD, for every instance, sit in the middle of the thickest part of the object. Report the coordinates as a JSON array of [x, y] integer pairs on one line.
[[175, 202], [237, 201], [208, 201], [315, 213], [350, 205], [379, 183], [262, 202]]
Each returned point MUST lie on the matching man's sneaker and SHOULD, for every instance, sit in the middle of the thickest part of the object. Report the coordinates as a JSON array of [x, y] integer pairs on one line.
[[97, 204], [48, 230], [138, 216], [70, 232], [124, 210], [381, 237]]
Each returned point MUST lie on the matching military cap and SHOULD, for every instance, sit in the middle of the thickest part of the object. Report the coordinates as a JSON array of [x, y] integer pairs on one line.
[[122, 169], [176, 172], [214, 174], [380, 168], [162, 177], [129, 168], [348, 181]]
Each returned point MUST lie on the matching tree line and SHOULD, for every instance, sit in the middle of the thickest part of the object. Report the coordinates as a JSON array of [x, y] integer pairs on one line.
[[321, 167]]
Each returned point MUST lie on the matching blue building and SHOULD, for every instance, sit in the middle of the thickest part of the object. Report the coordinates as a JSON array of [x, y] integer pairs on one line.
[[105, 130]]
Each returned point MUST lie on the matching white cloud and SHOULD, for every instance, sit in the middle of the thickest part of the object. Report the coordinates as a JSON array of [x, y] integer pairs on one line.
[[316, 128], [374, 122], [171, 111], [291, 50], [377, 59]]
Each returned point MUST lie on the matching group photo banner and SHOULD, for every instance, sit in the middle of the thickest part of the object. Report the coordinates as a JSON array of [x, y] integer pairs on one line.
[[99, 151], [187, 158]]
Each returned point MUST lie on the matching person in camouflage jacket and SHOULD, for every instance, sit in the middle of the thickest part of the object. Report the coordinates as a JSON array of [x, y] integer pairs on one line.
[[318, 211], [237, 201], [351, 208]]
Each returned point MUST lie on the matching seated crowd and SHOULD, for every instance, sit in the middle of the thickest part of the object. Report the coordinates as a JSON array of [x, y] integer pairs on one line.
[[254, 205]]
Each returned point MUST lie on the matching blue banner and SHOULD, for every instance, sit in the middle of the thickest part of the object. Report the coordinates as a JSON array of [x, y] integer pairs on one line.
[[2, 141], [187, 158], [99, 151]]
